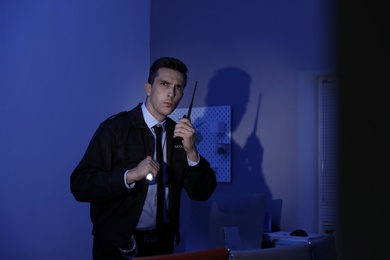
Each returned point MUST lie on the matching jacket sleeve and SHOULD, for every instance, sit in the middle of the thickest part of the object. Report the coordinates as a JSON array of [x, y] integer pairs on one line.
[[95, 179], [200, 181]]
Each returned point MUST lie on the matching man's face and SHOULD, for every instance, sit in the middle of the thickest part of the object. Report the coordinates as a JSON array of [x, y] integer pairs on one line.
[[165, 93]]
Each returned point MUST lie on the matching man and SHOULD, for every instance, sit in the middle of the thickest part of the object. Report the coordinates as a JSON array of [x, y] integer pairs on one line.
[[113, 174]]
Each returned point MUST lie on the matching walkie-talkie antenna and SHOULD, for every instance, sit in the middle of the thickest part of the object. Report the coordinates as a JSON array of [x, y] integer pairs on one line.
[[257, 115], [192, 102]]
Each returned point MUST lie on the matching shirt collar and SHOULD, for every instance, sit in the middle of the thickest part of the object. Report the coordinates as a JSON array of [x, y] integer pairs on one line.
[[149, 119]]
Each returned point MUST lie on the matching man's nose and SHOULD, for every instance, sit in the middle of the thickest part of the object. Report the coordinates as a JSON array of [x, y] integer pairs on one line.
[[172, 92]]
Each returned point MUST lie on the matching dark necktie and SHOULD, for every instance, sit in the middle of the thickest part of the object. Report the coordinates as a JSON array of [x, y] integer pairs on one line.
[[160, 179]]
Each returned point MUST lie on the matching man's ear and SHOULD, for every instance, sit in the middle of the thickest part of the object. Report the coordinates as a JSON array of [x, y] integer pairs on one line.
[[148, 89]]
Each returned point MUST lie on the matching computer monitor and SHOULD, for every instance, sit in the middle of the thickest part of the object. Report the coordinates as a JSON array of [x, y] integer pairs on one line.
[[232, 221]]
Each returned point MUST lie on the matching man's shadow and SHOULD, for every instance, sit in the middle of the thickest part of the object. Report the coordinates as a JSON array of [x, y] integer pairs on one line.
[[233, 201], [231, 86]]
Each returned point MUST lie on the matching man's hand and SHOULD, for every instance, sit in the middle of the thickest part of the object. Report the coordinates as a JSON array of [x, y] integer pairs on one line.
[[148, 165], [186, 131]]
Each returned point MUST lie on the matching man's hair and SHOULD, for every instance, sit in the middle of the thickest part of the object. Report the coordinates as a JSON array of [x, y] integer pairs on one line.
[[170, 63]]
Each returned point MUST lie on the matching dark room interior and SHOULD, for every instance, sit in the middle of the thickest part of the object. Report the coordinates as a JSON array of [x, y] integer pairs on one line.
[[66, 66]]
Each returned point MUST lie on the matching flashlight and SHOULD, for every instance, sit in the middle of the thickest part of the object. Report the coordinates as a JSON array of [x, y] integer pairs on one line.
[[149, 177]]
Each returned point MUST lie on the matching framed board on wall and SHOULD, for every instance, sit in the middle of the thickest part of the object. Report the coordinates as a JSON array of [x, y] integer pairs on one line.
[[212, 136]]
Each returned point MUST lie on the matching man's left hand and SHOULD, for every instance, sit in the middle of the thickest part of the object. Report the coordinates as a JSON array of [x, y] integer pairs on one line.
[[186, 131]]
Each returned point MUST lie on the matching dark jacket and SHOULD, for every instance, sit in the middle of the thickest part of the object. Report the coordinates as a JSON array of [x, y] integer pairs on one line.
[[121, 143]]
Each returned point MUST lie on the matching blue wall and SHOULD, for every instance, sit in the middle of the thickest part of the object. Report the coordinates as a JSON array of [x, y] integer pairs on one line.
[[65, 67]]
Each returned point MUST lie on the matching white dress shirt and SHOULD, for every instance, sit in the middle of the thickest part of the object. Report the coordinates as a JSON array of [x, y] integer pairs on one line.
[[148, 215]]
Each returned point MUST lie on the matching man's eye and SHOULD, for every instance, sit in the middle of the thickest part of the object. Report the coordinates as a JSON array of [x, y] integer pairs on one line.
[[179, 88]]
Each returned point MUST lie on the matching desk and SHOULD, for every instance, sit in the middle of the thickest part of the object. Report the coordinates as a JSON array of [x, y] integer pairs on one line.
[[321, 246]]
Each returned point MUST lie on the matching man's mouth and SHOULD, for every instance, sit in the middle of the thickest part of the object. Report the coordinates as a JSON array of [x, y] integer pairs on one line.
[[168, 104]]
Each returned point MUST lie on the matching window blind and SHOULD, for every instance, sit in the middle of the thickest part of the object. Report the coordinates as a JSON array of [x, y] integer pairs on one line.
[[328, 127]]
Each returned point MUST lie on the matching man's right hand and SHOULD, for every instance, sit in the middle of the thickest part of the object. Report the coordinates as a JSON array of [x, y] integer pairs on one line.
[[148, 165]]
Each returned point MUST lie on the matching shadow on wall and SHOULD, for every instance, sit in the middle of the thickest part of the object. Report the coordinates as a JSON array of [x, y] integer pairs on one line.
[[230, 86]]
